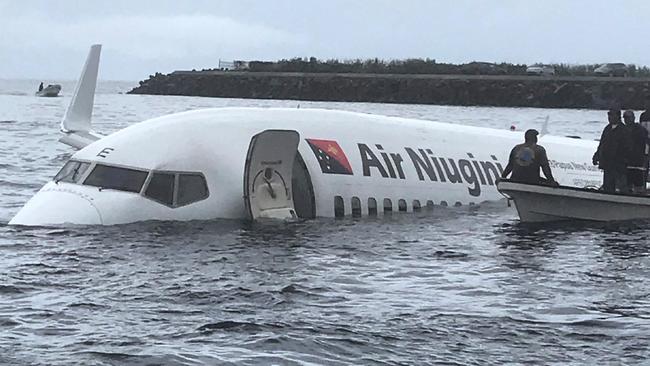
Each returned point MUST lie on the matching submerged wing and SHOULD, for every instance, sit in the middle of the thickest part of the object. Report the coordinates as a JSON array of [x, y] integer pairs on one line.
[[76, 124]]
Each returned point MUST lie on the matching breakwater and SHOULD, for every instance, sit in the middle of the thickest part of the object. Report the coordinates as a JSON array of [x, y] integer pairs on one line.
[[466, 90]]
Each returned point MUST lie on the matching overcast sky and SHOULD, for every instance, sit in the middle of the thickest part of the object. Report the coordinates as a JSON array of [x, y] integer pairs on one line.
[[49, 39]]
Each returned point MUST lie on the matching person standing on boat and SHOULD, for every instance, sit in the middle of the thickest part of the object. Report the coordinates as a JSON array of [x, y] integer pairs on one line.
[[40, 87], [613, 153], [644, 121], [525, 161], [637, 162]]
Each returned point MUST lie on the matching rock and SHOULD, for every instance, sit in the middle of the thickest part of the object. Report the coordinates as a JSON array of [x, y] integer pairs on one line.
[[512, 91]]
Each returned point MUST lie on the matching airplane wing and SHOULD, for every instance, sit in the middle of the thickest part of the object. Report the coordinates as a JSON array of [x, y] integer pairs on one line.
[[76, 125]]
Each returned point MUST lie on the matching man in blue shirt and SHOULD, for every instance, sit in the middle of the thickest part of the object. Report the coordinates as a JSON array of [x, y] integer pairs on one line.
[[525, 161]]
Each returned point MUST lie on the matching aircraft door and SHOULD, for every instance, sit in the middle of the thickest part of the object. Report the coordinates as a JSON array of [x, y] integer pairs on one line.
[[268, 175]]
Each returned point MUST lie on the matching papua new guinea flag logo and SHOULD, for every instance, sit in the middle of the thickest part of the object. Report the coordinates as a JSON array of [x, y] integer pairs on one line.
[[330, 156]]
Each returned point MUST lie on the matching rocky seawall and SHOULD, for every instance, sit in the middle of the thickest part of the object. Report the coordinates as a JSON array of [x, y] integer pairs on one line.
[[466, 90]]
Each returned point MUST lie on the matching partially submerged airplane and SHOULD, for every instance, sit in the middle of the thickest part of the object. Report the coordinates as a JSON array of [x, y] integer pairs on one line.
[[276, 163]]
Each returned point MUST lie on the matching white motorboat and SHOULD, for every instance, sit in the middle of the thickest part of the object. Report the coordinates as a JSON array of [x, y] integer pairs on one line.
[[51, 90], [541, 203]]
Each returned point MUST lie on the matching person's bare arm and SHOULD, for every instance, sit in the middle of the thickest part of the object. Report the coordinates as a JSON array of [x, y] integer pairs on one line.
[[546, 168], [508, 168], [547, 173]]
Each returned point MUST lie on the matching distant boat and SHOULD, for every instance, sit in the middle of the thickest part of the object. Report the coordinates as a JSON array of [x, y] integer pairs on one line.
[[49, 91]]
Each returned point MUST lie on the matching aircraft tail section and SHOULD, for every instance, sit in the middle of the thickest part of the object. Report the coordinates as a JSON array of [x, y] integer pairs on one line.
[[76, 124]]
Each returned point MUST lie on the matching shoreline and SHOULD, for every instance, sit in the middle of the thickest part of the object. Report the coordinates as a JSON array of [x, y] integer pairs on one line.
[[588, 92]]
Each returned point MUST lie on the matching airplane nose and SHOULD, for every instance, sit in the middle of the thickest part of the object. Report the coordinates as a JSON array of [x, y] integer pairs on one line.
[[57, 206]]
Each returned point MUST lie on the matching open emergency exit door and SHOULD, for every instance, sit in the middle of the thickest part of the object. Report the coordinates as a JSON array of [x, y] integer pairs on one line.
[[268, 175]]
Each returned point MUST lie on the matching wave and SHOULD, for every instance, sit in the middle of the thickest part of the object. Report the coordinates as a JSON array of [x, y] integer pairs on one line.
[[9, 289], [86, 305], [15, 93], [228, 325]]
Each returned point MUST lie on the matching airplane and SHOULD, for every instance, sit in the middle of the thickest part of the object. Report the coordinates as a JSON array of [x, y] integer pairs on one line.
[[282, 163]]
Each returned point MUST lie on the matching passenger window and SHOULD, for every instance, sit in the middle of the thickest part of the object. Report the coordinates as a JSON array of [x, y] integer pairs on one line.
[[430, 205], [121, 179], [416, 205], [388, 205], [71, 172], [443, 203], [372, 207], [191, 188], [339, 207], [356, 207], [161, 188], [401, 204], [458, 204]]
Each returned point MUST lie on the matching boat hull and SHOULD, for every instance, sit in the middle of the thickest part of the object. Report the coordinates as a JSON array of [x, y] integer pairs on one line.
[[49, 91], [538, 203]]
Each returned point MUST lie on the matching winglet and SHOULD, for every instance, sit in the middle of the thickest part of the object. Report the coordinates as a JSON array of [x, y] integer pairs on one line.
[[76, 123], [544, 129]]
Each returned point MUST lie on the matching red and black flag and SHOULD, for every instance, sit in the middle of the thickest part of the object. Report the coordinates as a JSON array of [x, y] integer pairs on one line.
[[330, 156]]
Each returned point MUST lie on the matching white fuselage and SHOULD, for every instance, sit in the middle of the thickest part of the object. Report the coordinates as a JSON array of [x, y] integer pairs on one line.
[[391, 159]]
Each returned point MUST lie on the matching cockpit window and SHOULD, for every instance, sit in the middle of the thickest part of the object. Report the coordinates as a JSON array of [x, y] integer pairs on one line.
[[161, 188], [191, 188], [173, 189], [121, 179], [71, 172]]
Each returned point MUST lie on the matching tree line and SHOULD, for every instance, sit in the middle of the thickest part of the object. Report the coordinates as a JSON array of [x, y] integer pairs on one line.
[[421, 66]]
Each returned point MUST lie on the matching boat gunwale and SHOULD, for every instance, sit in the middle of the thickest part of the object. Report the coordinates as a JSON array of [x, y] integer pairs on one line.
[[574, 192]]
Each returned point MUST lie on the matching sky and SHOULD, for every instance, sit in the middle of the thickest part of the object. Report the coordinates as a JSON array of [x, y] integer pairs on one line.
[[50, 39]]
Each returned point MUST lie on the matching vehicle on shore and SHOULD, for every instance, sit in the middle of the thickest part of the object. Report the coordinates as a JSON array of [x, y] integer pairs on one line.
[[612, 69], [482, 68], [542, 70]]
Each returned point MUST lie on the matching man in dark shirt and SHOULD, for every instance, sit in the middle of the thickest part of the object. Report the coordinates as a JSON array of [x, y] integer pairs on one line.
[[637, 163], [525, 161], [644, 121], [613, 153], [645, 117]]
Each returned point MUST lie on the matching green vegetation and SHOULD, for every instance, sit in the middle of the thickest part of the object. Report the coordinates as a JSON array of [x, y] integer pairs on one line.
[[420, 66]]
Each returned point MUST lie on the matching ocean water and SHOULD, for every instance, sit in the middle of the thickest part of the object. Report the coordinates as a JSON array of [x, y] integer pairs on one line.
[[457, 286]]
